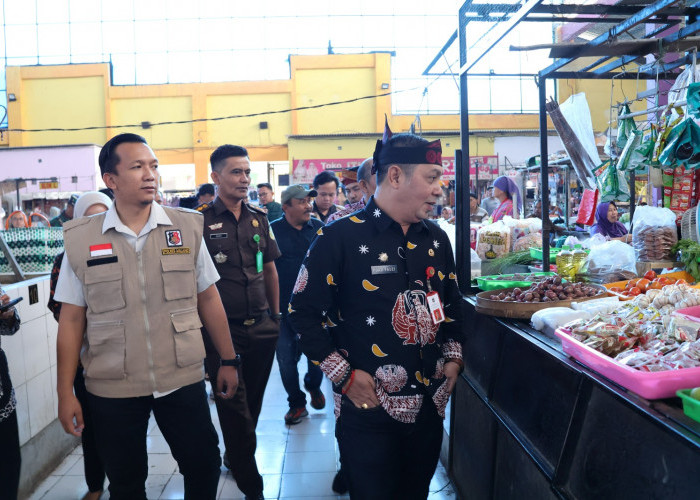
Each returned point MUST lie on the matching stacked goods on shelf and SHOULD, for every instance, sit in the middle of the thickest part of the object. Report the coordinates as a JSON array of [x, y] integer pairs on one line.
[[681, 196], [650, 345]]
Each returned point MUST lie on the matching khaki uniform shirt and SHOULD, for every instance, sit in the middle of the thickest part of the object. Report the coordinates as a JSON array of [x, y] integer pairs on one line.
[[232, 246]]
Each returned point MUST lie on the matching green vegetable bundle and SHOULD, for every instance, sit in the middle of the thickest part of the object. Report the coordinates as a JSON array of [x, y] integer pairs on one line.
[[689, 256], [511, 259]]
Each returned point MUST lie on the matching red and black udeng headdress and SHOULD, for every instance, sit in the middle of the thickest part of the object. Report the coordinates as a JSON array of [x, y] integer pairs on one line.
[[385, 154]]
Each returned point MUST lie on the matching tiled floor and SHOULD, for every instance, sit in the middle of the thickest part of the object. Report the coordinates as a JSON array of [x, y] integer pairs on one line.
[[296, 462]]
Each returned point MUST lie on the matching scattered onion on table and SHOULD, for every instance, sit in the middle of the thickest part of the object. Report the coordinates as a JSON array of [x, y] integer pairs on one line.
[[549, 290]]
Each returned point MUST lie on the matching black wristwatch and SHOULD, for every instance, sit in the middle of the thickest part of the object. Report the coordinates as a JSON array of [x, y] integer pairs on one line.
[[235, 362], [276, 316]]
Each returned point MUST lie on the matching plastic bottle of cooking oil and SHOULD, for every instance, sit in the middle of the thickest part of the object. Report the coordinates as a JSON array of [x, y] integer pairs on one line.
[[565, 263], [579, 259]]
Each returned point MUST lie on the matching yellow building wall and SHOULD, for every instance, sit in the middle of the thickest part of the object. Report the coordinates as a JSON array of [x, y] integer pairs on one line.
[[154, 110], [63, 103], [247, 131], [363, 147], [75, 96], [321, 86]]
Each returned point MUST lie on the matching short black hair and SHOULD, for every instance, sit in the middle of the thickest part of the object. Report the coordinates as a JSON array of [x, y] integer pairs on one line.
[[403, 140], [365, 171], [324, 178], [107, 192], [474, 195], [206, 189], [220, 154], [108, 158], [265, 185]]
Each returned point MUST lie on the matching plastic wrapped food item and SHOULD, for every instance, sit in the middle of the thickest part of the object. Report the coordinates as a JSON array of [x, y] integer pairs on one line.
[[532, 240], [683, 330], [654, 233], [605, 305], [555, 317], [493, 241]]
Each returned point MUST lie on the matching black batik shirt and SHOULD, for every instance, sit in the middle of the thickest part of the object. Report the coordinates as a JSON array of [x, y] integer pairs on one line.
[[360, 301]]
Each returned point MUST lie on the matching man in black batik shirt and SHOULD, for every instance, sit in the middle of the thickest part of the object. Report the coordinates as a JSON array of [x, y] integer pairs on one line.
[[361, 305]]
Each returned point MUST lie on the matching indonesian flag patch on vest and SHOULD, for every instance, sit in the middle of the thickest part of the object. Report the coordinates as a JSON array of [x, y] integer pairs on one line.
[[99, 250]]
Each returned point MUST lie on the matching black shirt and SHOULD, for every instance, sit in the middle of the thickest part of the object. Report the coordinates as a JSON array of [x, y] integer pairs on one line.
[[293, 243], [233, 249], [317, 213], [360, 299]]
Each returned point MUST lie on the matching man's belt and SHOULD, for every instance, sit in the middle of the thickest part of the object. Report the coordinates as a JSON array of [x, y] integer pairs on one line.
[[246, 321]]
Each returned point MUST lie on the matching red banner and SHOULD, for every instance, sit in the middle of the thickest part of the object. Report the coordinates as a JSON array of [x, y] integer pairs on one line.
[[304, 171]]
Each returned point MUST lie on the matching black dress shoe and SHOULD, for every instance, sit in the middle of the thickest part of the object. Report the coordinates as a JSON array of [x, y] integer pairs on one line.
[[340, 484], [259, 496]]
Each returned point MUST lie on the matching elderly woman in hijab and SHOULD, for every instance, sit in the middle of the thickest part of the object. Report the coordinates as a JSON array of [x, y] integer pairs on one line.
[[508, 194], [607, 224]]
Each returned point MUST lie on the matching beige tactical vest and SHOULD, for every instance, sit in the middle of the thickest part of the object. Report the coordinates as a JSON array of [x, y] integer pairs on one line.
[[143, 328]]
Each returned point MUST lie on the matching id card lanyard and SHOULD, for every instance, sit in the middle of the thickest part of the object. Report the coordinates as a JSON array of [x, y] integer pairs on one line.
[[258, 255], [437, 314]]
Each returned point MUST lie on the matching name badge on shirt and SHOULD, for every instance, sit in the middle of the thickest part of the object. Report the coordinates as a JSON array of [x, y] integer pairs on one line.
[[386, 269], [175, 251], [218, 236], [435, 307]]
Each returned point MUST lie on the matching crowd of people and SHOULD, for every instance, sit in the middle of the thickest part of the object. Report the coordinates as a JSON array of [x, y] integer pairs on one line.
[[151, 299]]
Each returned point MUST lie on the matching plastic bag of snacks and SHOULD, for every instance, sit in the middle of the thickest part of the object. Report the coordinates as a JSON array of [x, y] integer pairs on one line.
[[532, 240], [654, 233], [520, 228], [493, 241]]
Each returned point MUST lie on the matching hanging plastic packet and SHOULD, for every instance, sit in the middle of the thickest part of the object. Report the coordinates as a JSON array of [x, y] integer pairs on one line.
[[625, 127], [693, 99], [631, 157], [664, 133]]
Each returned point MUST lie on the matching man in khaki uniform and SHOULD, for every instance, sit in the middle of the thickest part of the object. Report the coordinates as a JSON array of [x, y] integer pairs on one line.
[[239, 240], [134, 284]]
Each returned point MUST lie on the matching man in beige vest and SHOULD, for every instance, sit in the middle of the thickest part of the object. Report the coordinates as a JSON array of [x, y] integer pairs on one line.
[[134, 286]]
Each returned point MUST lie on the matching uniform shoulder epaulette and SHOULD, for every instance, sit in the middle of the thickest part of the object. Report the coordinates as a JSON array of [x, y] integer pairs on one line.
[[186, 210], [203, 207], [254, 208]]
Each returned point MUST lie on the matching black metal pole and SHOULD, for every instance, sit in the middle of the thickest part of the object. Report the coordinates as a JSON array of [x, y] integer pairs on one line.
[[463, 233], [19, 206], [544, 174], [462, 219], [567, 193], [633, 194]]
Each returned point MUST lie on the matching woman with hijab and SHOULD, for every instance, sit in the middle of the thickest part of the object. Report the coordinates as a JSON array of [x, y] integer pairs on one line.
[[89, 203], [17, 219], [508, 195], [607, 224]]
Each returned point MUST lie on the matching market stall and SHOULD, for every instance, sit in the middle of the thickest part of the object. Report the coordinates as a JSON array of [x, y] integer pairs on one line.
[[580, 384]]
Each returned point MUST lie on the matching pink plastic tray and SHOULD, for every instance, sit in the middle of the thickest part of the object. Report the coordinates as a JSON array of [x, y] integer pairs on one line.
[[649, 385], [690, 313]]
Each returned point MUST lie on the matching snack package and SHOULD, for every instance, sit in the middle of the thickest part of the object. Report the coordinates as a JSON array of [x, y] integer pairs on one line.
[[532, 240], [654, 233], [493, 241]]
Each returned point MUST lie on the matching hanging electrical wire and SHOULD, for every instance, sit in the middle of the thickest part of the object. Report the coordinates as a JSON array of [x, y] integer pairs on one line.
[[218, 118]]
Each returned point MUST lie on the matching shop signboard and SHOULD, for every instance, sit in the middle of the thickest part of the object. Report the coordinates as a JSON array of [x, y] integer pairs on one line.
[[304, 171], [487, 165]]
